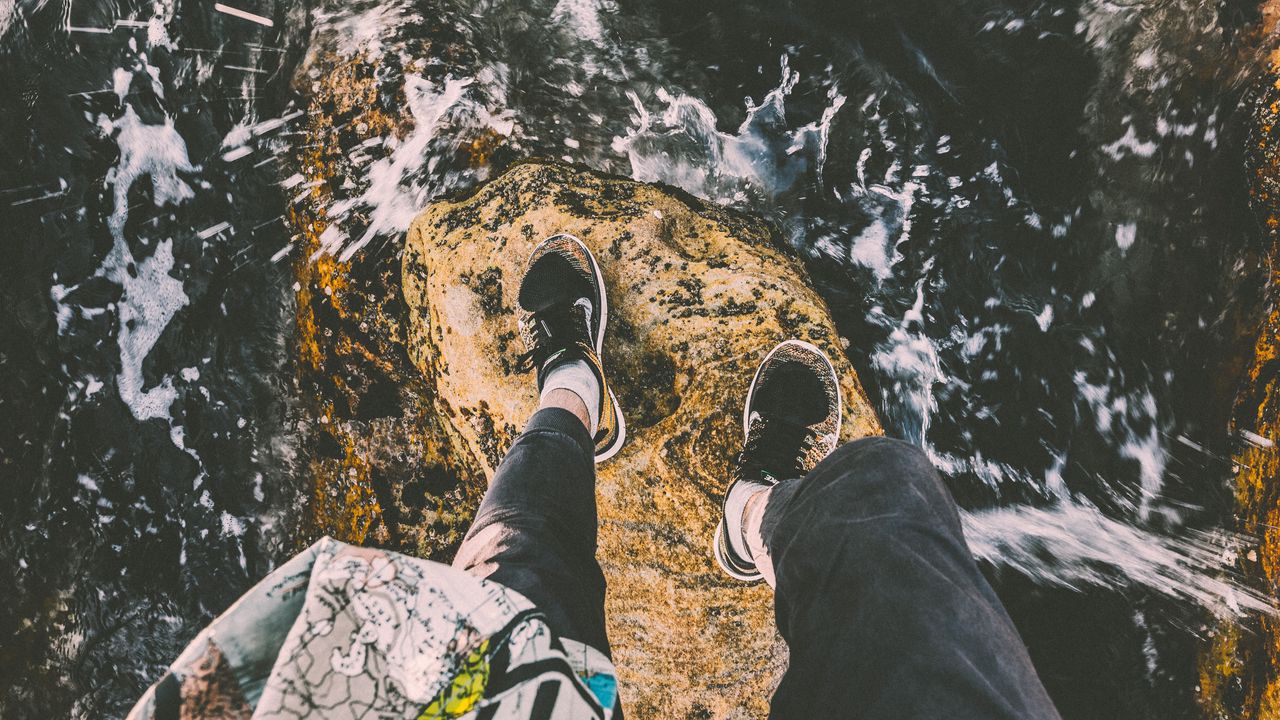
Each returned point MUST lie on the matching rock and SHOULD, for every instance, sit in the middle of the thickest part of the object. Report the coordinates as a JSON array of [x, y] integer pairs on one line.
[[371, 458], [1239, 663], [697, 295]]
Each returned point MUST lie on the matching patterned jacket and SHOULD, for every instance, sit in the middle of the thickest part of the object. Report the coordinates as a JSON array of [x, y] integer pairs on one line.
[[346, 632]]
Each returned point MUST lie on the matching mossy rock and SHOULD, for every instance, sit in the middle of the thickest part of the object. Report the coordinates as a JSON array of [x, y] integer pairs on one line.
[[697, 295]]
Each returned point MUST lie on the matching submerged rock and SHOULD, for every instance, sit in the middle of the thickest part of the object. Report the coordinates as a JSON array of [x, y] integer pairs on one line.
[[373, 465], [1240, 661], [697, 295]]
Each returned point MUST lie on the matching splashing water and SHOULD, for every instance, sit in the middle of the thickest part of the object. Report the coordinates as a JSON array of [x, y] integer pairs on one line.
[[1073, 545], [393, 197], [682, 146], [1002, 322]]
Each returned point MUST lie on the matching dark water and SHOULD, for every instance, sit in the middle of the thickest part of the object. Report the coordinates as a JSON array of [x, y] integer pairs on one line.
[[1030, 219]]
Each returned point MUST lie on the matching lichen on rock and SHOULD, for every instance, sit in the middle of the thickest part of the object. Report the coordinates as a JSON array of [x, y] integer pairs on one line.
[[697, 295]]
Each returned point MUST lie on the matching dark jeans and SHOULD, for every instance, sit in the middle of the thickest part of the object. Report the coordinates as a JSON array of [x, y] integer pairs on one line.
[[881, 604]]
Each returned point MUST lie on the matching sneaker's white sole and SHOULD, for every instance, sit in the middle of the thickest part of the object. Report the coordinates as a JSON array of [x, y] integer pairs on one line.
[[717, 551], [604, 323], [717, 544], [622, 429]]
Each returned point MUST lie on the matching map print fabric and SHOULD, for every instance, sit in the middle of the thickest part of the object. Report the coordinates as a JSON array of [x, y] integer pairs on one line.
[[347, 632]]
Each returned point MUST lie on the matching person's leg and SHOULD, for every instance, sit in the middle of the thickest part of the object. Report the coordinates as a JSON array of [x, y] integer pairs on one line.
[[879, 599], [535, 531]]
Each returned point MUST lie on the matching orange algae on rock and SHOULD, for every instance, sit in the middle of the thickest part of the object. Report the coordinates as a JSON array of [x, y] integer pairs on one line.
[[1240, 665]]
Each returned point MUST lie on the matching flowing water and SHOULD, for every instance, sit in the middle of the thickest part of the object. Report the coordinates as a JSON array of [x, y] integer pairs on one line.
[[1031, 221]]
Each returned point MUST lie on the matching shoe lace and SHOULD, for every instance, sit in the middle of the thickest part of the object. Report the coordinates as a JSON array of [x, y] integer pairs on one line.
[[549, 331], [774, 447]]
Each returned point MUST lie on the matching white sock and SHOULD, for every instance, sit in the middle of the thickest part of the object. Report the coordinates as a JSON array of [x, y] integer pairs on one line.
[[734, 507], [577, 378]]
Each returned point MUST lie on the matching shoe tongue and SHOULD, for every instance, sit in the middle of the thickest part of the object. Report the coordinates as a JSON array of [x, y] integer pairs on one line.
[[552, 281]]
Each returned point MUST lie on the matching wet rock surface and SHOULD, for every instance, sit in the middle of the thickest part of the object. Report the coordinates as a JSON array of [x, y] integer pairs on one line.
[[1240, 664], [697, 295], [376, 469]]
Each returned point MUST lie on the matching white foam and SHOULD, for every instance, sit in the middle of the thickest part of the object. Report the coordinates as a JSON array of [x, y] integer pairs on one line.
[[1126, 234], [149, 302], [393, 201], [873, 249], [1074, 545], [1146, 447], [156, 151], [150, 295], [1132, 421], [583, 17], [683, 147], [909, 358], [994, 474], [121, 79], [398, 186], [818, 134], [8, 12], [62, 311], [1131, 144], [1045, 318], [363, 32]]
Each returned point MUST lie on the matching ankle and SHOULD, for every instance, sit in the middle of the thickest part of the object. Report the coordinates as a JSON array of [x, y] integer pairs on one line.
[[566, 400], [574, 387], [752, 524], [743, 495]]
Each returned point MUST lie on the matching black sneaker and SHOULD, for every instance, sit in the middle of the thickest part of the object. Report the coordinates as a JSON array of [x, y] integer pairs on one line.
[[791, 421], [563, 313]]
